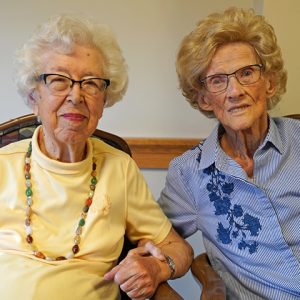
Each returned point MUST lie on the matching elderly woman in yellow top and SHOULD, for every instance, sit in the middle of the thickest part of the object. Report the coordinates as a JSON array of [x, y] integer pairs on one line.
[[66, 199]]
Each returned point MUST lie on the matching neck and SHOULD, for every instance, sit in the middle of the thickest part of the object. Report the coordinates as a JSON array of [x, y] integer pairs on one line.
[[241, 146], [61, 151]]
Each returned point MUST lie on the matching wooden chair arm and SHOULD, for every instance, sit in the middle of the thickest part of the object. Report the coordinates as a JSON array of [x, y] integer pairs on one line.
[[213, 288], [166, 292]]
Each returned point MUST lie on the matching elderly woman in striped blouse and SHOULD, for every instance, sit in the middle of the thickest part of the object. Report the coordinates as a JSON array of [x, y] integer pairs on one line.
[[240, 186]]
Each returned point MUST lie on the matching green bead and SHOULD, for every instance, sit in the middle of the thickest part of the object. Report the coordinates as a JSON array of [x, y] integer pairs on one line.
[[81, 222], [28, 192], [94, 180]]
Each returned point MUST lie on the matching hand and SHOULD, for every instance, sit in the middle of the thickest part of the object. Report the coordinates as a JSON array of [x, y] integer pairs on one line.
[[138, 274]]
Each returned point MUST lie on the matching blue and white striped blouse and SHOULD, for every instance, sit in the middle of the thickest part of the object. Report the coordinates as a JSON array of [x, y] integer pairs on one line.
[[251, 228]]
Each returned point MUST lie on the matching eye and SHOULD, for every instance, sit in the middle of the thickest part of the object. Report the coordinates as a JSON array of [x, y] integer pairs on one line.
[[246, 72], [57, 82], [216, 79], [92, 83]]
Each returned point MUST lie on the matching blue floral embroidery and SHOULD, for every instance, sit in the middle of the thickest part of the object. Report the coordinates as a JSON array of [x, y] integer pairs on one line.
[[239, 222]]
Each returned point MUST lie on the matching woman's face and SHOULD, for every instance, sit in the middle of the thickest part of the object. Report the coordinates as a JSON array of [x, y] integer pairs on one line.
[[239, 107], [73, 117]]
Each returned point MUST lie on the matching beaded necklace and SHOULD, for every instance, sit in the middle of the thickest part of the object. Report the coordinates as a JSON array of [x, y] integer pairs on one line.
[[28, 222]]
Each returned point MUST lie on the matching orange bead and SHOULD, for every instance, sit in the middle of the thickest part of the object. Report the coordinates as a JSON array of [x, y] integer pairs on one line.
[[89, 201], [39, 254]]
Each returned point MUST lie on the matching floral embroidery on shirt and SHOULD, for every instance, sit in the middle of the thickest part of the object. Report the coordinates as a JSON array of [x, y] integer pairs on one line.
[[240, 224]]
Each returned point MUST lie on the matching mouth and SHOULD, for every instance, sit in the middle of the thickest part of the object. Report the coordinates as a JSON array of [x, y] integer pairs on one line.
[[238, 109], [74, 116]]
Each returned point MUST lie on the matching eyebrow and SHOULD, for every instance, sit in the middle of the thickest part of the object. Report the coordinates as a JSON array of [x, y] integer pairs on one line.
[[64, 70], [216, 74]]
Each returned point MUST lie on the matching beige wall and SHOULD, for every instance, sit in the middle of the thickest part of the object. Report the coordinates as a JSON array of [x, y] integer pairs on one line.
[[149, 32], [284, 15]]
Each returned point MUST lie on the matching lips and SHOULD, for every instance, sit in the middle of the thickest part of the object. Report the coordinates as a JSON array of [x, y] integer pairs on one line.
[[74, 116], [238, 109]]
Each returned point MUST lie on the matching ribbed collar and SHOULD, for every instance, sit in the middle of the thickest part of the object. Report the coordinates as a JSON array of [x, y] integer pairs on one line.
[[56, 166]]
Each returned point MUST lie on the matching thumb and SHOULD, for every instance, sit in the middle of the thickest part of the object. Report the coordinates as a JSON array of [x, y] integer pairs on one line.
[[110, 275], [155, 251]]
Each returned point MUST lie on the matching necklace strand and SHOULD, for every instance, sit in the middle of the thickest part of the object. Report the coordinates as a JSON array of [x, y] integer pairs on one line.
[[29, 202]]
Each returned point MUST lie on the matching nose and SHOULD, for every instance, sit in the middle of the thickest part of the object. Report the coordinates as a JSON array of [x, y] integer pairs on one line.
[[75, 95], [234, 89]]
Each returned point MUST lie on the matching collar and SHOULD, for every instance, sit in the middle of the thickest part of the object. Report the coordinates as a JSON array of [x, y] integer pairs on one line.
[[56, 166], [273, 138], [212, 153]]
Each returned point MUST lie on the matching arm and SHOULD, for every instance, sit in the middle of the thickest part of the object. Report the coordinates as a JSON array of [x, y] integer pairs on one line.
[[145, 267], [140, 272], [178, 250]]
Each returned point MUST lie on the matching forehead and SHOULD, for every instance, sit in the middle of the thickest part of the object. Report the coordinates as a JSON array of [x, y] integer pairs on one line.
[[230, 57], [81, 60]]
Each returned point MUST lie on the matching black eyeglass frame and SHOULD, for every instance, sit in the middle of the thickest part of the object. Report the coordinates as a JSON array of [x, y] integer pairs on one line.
[[203, 80], [44, 78]]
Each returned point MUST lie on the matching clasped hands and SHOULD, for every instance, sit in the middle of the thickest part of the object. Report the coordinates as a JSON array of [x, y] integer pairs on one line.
[[138, 275]]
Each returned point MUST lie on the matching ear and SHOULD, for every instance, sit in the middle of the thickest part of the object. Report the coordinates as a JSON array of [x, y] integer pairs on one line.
[[33, 98], [271, 87], [204, 102], [100, 115]]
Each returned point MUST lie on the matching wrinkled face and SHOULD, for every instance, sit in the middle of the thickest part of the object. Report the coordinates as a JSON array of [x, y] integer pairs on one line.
[[239, 107], [73, 117]]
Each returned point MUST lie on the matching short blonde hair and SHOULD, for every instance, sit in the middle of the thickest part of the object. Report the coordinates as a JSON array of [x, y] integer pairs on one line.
[[233, 25], [62, 33]]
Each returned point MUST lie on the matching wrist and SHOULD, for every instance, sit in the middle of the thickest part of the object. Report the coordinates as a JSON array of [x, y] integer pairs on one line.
[[171, 265]]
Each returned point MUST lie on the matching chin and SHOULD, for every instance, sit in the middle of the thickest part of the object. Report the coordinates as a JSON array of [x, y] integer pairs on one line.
[[73, 138], [239, 125]]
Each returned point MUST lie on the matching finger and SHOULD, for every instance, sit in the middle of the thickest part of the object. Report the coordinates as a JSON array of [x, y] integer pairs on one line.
[[141, 251], [148, 249], [131, 284], [139, 294], [154, 251]]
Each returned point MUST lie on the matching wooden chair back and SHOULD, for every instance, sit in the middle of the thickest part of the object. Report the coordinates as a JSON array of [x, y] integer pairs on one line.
[[23, 127]]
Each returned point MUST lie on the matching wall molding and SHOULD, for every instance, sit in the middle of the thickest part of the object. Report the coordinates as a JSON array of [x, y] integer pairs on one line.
[[156, 153]]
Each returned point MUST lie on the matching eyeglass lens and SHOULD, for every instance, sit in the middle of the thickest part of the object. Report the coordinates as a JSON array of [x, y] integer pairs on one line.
[[62, 85], [245, 76]]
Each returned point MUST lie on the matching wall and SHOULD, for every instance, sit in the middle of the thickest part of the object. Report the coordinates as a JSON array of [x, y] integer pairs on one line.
[[285, 16], [149, 33]]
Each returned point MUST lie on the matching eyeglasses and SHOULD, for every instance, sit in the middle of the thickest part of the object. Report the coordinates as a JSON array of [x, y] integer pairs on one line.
[[245, 76], [60, 85]]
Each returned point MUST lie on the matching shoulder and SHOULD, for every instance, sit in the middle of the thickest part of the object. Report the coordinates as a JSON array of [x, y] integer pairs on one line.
[[108, 152], [285, 121], [186, 165], [15, 148], [190, 158], [287, 127], [13, 155]]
